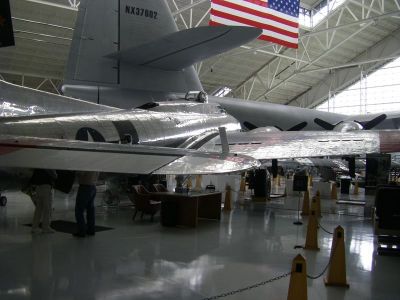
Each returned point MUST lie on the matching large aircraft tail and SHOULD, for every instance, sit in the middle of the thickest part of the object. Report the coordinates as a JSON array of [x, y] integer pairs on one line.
[[124, 45], [104, 27]]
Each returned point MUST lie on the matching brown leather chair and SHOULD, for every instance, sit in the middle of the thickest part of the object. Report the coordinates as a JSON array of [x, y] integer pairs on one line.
[[159, 188], [144, 201]]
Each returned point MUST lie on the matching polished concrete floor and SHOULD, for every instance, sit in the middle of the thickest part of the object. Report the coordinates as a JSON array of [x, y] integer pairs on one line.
[[143, 260]]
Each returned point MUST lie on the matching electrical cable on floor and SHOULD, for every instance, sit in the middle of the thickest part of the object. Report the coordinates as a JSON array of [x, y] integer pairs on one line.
[[248, 287]]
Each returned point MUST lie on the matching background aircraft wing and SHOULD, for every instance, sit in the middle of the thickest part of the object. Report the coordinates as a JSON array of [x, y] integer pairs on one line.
[[285, 144], [27, 152], [22, 101]]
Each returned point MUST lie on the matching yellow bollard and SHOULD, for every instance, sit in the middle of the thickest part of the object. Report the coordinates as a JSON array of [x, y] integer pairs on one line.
[[318, 205], [337, 263], [355, 188], [227, 203], [298, 279], [243, 185], [189, 183], [279, 180], [334, 191], [306, 204], [310, 180], [312, 232], [197, 187]]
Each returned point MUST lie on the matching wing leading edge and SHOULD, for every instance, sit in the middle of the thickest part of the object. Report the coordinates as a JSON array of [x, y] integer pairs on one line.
[[275, 145], [27, 152], [246, 149]]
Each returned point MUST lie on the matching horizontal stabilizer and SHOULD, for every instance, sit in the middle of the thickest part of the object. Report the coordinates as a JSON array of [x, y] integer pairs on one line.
[[28, 152], [181, 49]]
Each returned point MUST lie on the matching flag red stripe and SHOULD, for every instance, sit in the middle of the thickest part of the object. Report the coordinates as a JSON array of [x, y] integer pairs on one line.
[[256, 13], [258, 2], [253, 23], [264, 37], [278, 41]]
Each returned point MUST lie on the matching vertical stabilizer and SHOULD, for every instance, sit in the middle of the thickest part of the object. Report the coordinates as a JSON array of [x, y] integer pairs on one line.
[[143, 21], [111, 26], [95, 35]]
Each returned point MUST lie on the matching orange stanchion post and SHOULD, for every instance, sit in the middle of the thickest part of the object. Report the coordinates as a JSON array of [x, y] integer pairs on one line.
[[298, 279], [306, 204], [337, 263], [189, 183], [197, 186], [334, 191], [318, 205], [227, 203], [356, 188], [243, 185], [312, 232]]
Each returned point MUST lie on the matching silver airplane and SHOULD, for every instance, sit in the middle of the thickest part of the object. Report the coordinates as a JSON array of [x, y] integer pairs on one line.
[[130, 54], [170, 137]]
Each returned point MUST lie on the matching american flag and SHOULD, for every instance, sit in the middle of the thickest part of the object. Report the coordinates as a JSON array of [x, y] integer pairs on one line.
[[279, 19]]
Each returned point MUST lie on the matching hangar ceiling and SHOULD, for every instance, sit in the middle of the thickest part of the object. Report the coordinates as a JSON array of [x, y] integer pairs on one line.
[[355, 38]]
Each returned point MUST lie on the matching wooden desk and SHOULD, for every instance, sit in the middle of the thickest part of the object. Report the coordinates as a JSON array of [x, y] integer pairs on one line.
[[190, 207]]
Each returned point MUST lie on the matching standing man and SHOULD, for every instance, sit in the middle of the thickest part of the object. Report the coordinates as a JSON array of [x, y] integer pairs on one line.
[[43, 180], [85, 202]]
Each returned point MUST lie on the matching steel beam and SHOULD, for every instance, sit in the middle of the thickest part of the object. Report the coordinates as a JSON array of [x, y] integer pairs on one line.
[[342, 78]]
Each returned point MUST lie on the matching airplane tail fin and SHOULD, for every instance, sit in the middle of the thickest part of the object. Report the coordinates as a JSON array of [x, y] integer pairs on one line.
[[108, 26], [125, 45]]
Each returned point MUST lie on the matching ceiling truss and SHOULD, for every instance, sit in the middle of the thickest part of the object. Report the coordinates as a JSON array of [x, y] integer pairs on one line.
[[257, 71]]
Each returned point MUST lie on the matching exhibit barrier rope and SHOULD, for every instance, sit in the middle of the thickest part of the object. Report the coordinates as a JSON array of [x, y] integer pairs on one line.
[[320, 274], [241, 290], [324, 270], [248, 287], [319, 224]]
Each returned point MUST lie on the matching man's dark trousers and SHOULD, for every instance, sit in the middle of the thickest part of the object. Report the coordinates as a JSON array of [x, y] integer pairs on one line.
[[85, 201]]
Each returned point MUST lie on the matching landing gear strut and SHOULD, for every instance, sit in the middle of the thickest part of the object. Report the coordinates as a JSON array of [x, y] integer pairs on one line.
[[3, 200]]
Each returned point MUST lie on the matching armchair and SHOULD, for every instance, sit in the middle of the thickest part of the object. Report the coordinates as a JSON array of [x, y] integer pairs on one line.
[[144, 201]]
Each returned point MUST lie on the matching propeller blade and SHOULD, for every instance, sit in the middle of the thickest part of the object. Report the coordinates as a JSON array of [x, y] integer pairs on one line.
[[324, 124], [249, 125], [298, 127], [374, 122]]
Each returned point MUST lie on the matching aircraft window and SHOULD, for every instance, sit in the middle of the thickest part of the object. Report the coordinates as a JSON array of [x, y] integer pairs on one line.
[[220, 109]]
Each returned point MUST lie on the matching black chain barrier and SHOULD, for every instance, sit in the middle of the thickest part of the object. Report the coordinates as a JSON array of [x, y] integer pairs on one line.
[[322, 273], [248, 287], [324, 270], [319, 224]]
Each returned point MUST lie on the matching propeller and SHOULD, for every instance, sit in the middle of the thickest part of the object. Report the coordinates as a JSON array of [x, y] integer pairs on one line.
[[351, 125], [297, 127], [249, 125], [324, 124], [374, 122]]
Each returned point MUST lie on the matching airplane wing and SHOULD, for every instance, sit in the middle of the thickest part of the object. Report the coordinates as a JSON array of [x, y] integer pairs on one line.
[[246, 148], [27, 152], [260, 144]]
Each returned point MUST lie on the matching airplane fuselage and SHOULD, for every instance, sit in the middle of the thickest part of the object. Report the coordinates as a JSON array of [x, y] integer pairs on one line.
[[156, 128]]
